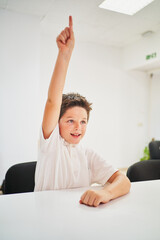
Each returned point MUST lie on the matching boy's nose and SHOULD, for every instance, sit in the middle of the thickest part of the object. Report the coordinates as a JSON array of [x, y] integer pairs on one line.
[[77, 126]]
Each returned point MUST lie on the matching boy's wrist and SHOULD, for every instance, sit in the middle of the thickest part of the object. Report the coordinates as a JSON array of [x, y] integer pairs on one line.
[[65, 55], [107, 193]]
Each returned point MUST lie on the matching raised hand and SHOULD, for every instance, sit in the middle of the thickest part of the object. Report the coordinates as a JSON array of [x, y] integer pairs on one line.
[[65, 40]]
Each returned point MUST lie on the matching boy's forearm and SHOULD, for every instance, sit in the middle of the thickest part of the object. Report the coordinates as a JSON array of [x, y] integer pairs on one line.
[[119, 187], [58, 78]]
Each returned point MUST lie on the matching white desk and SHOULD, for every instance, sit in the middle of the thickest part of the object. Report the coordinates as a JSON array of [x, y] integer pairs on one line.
[[55, 215]]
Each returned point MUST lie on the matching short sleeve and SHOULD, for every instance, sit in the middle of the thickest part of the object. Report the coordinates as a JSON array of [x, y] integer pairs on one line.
[[100, 169], [46, 145], [45, 165]]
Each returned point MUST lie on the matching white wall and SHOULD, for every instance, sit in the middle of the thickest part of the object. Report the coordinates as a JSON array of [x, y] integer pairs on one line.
[[155, 107], [19, 62], [135, 54], [118, 127]]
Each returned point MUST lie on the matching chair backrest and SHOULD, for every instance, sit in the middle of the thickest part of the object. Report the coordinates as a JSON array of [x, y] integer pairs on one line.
[[20, 178], [145, 170], [154, 149]]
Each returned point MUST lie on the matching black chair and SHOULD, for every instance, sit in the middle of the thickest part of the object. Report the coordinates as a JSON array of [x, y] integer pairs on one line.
[[19, 178], [143, 171], [147, 169], [154, 150]]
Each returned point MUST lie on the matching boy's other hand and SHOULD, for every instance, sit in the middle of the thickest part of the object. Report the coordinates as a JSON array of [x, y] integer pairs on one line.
[[94, 198], [65, 40]]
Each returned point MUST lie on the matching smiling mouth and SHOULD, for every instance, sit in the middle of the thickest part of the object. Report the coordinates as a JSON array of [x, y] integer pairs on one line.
[[75, 135]]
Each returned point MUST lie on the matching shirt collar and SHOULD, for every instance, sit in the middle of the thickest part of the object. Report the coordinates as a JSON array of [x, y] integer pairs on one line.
[[65, 143]]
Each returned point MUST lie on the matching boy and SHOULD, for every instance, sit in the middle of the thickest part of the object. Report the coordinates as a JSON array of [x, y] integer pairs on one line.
[[62, 161]]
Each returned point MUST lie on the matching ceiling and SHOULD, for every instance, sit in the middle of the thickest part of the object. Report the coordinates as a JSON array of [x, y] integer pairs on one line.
[[91, 23]]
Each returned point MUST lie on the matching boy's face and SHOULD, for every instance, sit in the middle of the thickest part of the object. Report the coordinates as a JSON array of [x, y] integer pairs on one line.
[[72, 124]]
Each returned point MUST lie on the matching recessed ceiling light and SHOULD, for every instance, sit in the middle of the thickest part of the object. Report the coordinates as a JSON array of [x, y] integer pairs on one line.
[[129, 7]]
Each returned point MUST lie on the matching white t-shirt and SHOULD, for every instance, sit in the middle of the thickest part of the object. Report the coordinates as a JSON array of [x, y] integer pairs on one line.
[[62, 165]]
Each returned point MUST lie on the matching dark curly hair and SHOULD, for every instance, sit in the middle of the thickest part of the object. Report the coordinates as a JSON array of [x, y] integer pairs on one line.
[[72, 100]]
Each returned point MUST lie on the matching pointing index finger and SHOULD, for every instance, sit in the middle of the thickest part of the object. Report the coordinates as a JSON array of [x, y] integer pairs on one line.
[[71, 23]]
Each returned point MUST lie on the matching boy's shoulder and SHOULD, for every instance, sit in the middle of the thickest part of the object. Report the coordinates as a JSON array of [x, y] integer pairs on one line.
[[88, 150]]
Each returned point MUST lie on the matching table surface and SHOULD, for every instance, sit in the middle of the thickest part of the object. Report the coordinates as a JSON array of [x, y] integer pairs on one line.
[[58, 215]]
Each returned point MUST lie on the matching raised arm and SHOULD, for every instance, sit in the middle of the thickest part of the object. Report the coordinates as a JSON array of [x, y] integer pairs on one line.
[[65, 43]]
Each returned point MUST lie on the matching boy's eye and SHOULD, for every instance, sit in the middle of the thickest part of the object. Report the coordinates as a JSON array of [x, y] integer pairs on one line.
[[70, 121], [83, 122]]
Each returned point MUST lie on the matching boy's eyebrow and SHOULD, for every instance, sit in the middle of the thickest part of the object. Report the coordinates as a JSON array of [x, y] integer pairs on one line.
[[73, 117]]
